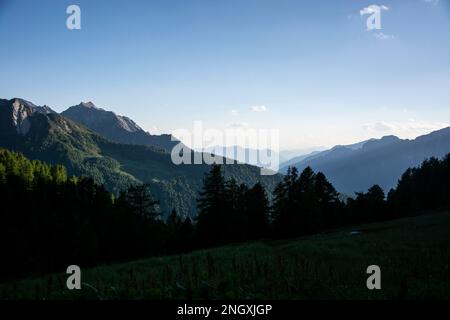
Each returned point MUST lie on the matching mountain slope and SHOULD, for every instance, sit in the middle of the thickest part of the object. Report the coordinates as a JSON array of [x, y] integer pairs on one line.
[[114, 127], [284, 165], [289, 154], [336, 151], [377, 161], [55, 139]]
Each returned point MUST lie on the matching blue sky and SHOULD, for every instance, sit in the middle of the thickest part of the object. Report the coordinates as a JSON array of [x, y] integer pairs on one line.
[[308, 68]]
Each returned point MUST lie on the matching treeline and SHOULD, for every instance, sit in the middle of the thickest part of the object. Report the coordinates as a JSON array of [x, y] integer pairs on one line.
[[306, 203], [302, 204], [49, 220]]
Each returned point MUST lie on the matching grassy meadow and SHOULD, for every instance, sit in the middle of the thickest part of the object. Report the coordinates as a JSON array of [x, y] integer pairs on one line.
[[413, 254]]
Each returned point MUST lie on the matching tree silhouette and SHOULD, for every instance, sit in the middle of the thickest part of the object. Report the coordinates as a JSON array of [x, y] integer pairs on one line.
[[48, 221], [211, 219], [283, 205], [141, 201], [257, 212]]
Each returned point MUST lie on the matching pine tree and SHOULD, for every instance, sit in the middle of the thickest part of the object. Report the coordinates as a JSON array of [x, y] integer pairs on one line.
[[327, 203], [257, 211], [186, 235], [173, 221], [59, 174], [283, 204], [235, 221], [304, 199], [142, 202], [2, 174], [212, 205]]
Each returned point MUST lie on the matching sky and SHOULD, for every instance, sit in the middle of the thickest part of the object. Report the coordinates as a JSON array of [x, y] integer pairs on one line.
[[310, 69]]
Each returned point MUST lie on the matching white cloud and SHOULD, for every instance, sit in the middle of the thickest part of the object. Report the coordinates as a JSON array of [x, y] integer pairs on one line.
[[156, 130], [383, 36], [373, 9], [234, 112], [408, 129], [258, 108], [433, 2]]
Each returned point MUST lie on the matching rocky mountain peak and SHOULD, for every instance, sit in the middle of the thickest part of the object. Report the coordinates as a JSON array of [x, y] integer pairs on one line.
[[88, 104]]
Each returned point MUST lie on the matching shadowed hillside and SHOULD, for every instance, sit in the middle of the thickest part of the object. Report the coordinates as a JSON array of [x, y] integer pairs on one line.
[[375, 162], [413, 255]]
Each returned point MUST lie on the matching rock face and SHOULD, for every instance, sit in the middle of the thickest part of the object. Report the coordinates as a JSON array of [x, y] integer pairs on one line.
[[115, 127], [20, 114], [98, 119], [16, 113]]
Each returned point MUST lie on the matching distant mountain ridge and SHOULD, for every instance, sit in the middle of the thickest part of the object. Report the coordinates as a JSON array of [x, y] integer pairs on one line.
[[320, 153], [40, 133], [257, 157], [376, 161], [289, 154], [116, 128], [123, 159]]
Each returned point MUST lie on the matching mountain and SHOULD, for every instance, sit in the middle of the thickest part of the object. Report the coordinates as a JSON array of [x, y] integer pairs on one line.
[[284, 165], [250, 156], [116, 128], [320, 153], [41, 134], [357, 167], [49, 137], [289, 154]]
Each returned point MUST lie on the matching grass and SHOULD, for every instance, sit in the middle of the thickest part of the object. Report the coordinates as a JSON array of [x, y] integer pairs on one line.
[[413, 255]]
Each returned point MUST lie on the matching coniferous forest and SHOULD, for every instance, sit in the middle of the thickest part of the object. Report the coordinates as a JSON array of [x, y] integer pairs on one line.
[[50, 220]]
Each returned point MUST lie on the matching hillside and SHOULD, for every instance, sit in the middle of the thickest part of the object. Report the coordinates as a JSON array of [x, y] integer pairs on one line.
[[353, 169], [319, 153], [413, 254], [55, 139]]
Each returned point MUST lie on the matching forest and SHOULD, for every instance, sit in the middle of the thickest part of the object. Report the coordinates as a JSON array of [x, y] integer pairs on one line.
[[50, 220]]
